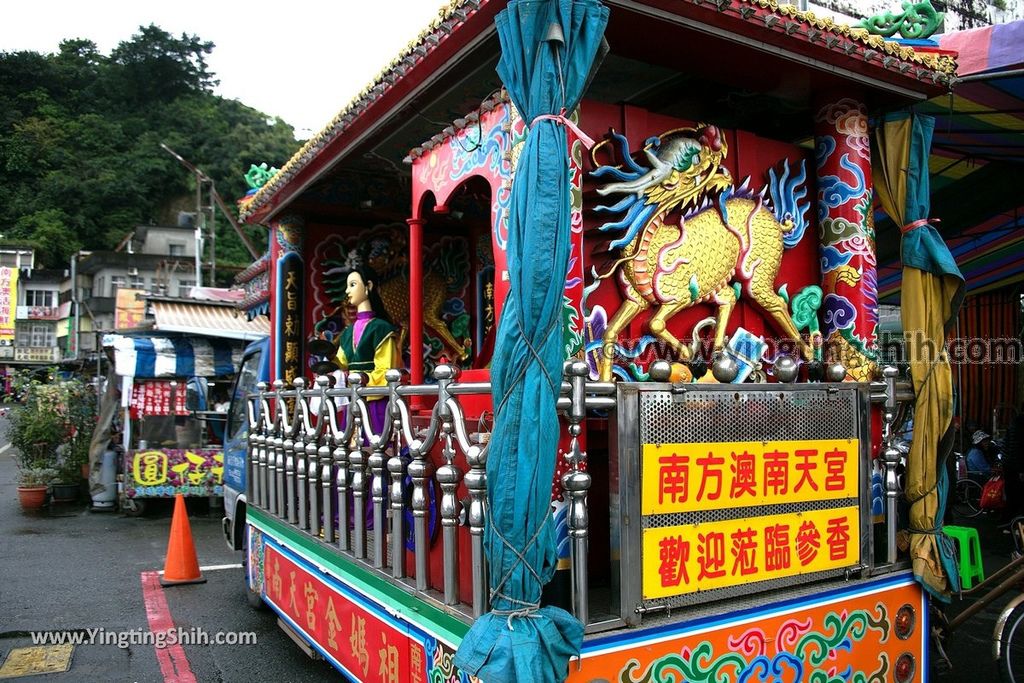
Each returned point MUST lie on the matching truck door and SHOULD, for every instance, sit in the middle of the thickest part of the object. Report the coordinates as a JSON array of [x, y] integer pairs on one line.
[[254, 368]]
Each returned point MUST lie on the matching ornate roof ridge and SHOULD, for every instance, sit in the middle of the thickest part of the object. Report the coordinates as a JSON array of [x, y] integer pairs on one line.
[[490, 103], [941, 63], [260, 265], [448, 18], [783, 17]]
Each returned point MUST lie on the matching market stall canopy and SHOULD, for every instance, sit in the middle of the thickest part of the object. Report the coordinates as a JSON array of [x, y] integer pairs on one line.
[[144, 357], [977, 153], [222, 320]]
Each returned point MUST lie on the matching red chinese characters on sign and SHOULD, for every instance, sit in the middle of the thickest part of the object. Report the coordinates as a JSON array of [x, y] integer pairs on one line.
[[369, 648], [701, 477], [154, 399]]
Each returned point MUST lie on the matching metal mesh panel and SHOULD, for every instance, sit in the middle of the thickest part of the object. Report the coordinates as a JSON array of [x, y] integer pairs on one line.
[[746, 596], [752, 414], [681, 518], [697, 416]]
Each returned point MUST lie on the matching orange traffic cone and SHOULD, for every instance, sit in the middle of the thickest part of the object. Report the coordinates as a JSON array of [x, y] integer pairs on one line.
[[181, 565]]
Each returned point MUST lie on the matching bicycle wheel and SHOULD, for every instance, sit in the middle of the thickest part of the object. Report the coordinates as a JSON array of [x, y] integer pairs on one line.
[[1011, 647], [967, 498]]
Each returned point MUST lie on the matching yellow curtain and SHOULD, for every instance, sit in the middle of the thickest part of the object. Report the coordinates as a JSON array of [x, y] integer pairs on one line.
[[890, 160], [931, 290], [925, 308]]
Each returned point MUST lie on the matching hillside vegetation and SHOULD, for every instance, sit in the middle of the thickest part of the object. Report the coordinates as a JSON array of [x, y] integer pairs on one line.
[[80, 134]]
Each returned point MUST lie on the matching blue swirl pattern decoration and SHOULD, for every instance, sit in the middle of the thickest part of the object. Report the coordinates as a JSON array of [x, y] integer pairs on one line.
[[470, 153], [834, 192], [787, 195], [840, 314]]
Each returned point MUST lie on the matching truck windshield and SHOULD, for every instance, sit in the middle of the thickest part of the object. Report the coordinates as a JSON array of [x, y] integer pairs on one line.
[[245, 384]]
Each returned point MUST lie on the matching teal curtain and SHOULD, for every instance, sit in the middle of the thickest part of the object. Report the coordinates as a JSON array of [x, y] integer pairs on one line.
[[548, 50], [923, 247]]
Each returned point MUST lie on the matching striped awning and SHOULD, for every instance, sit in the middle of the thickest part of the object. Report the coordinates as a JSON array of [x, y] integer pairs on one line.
[[155, 357], [211, 320]]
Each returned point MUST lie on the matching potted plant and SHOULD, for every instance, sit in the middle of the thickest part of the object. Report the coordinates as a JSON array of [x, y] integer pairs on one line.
[[52, 429], [68, 475], [33, 483]]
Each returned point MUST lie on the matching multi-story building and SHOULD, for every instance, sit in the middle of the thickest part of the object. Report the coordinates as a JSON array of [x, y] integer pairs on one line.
[[29, 310], [36, 317], [152, 259]]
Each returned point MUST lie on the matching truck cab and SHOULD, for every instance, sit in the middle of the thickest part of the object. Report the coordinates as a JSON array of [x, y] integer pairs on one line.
[[255, 368]]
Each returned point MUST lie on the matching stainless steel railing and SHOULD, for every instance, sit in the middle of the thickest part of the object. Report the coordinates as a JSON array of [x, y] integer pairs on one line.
[[316, 462]]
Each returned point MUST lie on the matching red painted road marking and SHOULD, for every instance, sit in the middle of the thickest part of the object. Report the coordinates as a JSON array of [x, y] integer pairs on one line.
[[173, 662]]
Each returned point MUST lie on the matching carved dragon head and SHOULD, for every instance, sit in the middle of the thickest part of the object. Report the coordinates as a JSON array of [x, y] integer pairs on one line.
[[686, 164]]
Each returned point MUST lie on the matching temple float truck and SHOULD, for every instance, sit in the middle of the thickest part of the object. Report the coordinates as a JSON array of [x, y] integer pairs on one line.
[[589, 386]]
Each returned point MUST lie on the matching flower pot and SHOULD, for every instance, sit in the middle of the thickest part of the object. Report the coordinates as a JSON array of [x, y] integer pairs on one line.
[[32, 497], [65, 493]]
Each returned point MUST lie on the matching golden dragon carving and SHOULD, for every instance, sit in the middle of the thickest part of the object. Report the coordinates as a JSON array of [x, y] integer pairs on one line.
[[692, 237]]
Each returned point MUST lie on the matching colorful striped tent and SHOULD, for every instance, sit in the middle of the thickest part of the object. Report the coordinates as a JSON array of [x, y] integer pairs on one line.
[[151, 357], [976, 161]]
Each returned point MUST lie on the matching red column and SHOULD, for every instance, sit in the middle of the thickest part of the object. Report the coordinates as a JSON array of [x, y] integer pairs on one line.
[[847, 242], [416, 299]]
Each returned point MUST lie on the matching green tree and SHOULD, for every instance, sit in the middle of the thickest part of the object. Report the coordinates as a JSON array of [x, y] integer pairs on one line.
[[80, 133]]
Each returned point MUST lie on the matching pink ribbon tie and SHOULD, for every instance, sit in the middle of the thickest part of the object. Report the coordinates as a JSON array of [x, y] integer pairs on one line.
[[917, 224], [587, 141]]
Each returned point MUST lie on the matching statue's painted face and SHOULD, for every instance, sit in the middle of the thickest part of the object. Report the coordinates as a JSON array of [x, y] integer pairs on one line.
[[356, 290]]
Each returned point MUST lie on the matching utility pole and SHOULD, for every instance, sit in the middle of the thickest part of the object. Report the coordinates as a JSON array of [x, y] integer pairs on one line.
[[200, 222], [215, 201]]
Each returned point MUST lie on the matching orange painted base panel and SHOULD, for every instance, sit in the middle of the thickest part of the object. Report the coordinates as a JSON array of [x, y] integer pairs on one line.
[[829, 636]]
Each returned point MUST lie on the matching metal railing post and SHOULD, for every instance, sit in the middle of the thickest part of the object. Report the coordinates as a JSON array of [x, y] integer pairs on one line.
[[576, 483], [301, 424], [891, 460], [357, 465], [448, 477], [396, 470]]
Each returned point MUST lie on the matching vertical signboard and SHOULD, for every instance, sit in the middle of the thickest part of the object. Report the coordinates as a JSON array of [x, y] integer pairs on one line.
[[8, 304], [130, 310], [744, 490], [288, 300]]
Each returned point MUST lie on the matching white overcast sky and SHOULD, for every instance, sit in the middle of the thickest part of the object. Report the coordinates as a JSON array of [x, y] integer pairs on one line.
[[301, 60]]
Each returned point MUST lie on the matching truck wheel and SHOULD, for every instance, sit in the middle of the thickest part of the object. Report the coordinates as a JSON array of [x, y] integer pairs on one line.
[[134, 507], [254, 599]]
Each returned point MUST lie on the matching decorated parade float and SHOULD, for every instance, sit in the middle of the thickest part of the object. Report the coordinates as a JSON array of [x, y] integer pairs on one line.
[[573, 365]]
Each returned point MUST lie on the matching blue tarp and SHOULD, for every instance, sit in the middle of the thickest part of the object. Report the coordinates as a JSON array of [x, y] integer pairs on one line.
[[548, 50], [145, 357]]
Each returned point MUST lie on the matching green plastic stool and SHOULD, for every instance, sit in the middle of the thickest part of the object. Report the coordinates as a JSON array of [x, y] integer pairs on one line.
[[970, 554]]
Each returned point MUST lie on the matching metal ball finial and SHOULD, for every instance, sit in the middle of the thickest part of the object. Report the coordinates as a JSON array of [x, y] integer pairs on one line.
[[786, 369], [660, 371], [835, 372], [724, 369], [444, 371]]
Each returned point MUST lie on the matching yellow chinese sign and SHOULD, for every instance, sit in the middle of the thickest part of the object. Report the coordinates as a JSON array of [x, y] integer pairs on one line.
[[683, 559], [715, 476], [168, 471]]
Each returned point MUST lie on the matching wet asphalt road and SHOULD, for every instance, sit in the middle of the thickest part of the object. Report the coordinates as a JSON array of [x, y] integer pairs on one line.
[[69, 569]]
